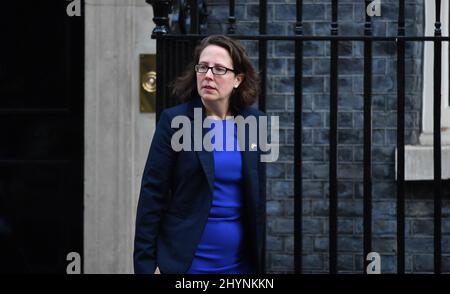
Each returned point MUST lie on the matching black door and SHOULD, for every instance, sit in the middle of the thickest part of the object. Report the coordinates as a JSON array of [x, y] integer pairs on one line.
[[41, 127]]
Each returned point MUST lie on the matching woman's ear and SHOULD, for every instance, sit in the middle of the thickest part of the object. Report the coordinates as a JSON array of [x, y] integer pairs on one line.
[[238, 80]]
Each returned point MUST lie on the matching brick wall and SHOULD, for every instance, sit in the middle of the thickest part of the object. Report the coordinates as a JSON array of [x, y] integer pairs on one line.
[[316, 84]]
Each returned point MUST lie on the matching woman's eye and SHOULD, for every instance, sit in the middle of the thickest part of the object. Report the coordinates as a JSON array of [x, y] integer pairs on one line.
[[219, 69]]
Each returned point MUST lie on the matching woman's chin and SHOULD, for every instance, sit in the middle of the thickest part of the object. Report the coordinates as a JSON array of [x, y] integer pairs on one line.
[[209, 97]]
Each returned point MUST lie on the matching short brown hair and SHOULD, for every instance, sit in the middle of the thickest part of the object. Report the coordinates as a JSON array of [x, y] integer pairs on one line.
[[185, 86]]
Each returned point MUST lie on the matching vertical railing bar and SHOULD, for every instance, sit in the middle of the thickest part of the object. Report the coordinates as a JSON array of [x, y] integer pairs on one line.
[[190, 45], [179, 60], [170, 63], [298, 141], [263, 17], [194, 27], [160, 77], [401, 141], [184, 54], [333, 142], [168, 72], [262, 61], [367, 217], [231, 18], [161, 18], [437, 141]]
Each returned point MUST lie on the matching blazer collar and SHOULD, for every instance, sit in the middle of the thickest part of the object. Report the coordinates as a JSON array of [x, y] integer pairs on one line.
[[197, 103]]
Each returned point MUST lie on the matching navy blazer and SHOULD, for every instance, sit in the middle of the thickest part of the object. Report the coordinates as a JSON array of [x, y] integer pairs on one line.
[[176, 196]]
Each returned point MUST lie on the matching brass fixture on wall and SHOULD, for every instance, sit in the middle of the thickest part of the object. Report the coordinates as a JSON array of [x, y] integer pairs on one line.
[[147, 82]]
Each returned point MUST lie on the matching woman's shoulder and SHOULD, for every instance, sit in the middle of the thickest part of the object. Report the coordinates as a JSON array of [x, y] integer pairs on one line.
[[181, 109]]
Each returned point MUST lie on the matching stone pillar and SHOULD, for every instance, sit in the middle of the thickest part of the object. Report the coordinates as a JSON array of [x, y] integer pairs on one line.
[[117, 135]]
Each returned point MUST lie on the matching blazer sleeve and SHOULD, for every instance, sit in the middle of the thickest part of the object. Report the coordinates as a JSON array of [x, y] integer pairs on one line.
[[153, 196]]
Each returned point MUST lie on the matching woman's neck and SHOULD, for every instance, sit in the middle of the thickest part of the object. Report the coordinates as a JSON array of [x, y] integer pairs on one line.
[[217, 110]]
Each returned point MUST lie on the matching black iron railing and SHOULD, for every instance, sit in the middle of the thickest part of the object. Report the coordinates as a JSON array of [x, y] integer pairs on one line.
[[174, 50]]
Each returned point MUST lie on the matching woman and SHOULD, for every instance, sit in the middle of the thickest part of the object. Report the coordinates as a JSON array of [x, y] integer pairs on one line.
[[204, 211]]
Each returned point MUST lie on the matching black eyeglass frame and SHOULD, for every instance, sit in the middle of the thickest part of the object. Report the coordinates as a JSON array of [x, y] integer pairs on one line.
[[196, 67]]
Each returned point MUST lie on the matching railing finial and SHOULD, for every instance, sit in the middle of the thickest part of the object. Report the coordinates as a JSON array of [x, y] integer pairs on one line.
[[161, 10]]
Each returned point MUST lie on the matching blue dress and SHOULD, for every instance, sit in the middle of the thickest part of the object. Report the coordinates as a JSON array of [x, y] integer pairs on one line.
[[222, 247]]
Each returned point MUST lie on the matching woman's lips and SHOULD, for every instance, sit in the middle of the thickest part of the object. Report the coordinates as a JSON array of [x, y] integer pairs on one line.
[[209, 88]]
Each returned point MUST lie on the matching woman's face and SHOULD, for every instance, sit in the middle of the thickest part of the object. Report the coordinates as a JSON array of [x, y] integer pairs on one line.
[[216, 87]]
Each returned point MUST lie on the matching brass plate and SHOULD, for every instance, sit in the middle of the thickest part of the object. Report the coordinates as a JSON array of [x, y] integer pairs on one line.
[[147, 82]]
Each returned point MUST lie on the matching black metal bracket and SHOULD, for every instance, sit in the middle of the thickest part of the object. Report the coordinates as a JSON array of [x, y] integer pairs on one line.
[[161, 11]]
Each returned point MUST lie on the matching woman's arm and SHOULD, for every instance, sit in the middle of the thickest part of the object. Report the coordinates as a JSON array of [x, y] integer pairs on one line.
[[153, 196]]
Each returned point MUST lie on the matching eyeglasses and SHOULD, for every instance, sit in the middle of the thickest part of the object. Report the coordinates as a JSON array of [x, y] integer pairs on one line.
[[216, 70]]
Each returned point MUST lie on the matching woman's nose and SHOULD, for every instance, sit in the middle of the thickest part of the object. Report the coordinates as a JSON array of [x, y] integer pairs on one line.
[[209, 74]]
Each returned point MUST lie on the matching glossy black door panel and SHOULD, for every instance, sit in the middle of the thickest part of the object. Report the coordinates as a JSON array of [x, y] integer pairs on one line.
[[42, 130]]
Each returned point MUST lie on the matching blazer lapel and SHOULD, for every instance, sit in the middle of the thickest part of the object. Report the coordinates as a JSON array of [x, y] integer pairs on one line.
[[250, 168], [207, 161], [206, 158]]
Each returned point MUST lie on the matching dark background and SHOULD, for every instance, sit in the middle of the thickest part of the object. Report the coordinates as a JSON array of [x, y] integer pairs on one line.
[[41, 127]]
